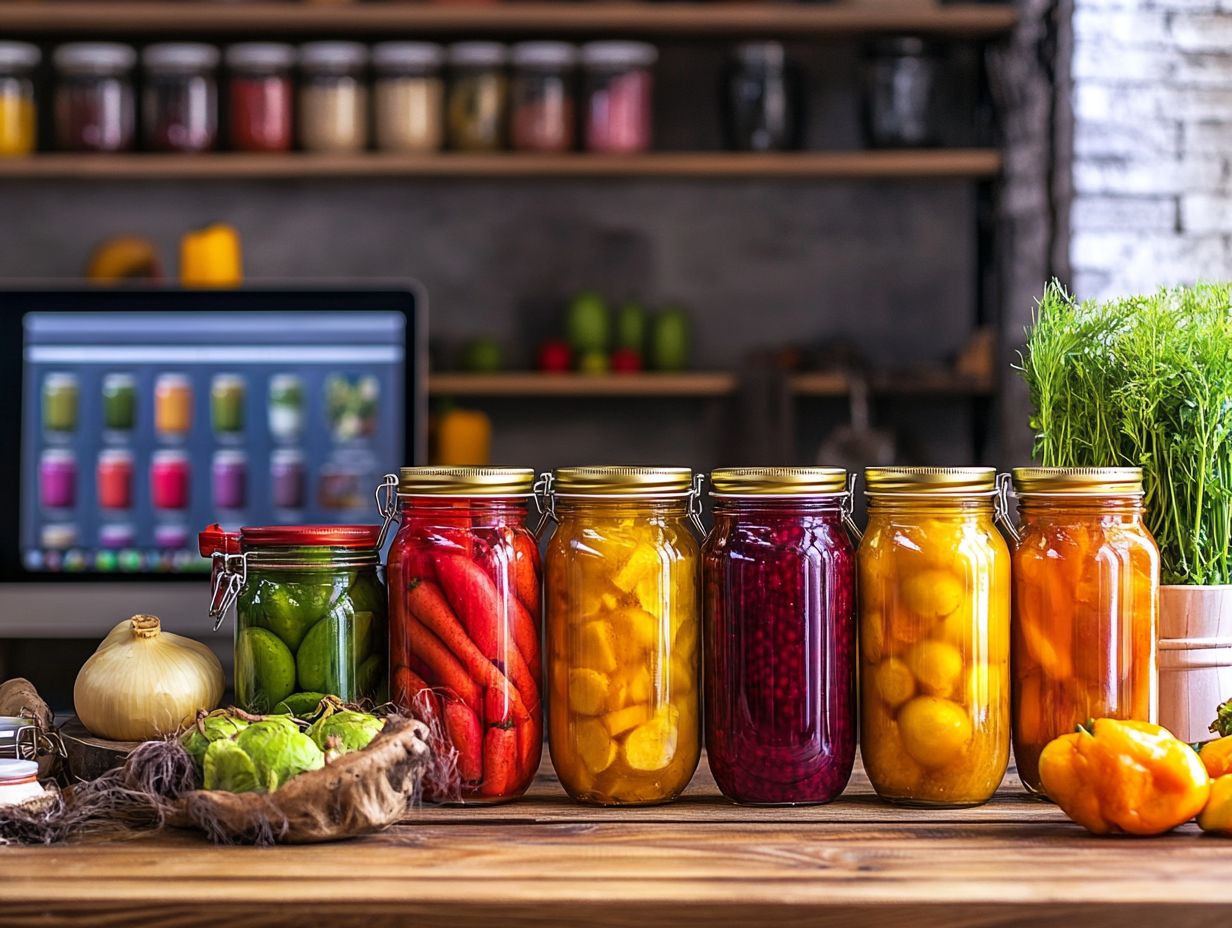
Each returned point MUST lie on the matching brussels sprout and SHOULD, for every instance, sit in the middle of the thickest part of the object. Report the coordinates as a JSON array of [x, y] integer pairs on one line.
[[228, 767], [212, 728], [264, 669], [279, 751], [351, 731]]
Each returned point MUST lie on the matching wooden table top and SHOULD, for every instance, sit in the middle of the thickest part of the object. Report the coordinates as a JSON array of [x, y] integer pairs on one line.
[[699, 861]]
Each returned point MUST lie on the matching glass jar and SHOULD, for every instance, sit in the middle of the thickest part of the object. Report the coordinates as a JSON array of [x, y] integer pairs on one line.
[[58, 478], [173, 402], [901, 86], [478, 96], [934, 577], [333, 98], [619, 105], [229, 479], [18, 115], [95, 108], [60, 402], [180, 96], [465, 610], [170, 479], [227, 403], [309, 611], [1086, 604], [623, 620], [409, 96], [260, 96], [762, 104], [286, 407], [114, 478], [541, 117], [287, 478], [119, 402], [780, 646], [19, 782]]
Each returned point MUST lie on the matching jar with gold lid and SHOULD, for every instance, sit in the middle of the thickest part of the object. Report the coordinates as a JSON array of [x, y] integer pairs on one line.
[[934, 582], [1086, 603], [623, 624]]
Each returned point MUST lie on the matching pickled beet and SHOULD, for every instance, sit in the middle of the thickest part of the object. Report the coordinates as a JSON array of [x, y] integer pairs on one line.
[[779, 580]]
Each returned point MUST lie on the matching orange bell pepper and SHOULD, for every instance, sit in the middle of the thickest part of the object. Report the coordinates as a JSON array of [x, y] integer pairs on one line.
[[1115, 776], [1217, 816], [1216, 756]]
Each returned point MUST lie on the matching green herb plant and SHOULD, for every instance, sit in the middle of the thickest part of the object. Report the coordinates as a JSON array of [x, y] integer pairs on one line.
[[1144, 381]]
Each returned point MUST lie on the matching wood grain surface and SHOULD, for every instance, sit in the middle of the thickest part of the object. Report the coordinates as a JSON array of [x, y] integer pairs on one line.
[[700, 861]]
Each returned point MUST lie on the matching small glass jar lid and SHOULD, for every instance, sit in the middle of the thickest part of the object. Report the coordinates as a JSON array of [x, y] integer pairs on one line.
[[19, 55], [1078, 481], [619, 54], [543, 55], [397, 56], [912, 481], [333, 56], [628, 481], [17, 771], [180, 56], [478, 55], [346, 537], [95, 57], [761, 54], [778, 481], [260, 56], [466, 481]]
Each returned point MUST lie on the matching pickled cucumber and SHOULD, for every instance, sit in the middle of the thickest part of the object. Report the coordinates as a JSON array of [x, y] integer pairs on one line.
[[329, 658], [264, 669]]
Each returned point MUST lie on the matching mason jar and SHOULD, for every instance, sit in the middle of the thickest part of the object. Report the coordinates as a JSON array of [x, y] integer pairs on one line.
[[180, 96], [333, 97], [95, 106], [477, 100], [934, 576], [780, 635], [1086, 605], [623, 623], [465, 627], [18, 112], [309, 612]]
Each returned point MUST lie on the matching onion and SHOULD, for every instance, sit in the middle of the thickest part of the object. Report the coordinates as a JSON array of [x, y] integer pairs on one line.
[[143, 683]]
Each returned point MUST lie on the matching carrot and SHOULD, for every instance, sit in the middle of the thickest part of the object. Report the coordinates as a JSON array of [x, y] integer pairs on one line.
[[526, 573], [513, 566], [467, 737], [444, 667], [500, 761], [411, 694], [496, 707], [530, 748]]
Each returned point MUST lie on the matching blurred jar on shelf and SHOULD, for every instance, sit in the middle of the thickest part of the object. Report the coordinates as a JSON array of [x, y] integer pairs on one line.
[[95, 104], [18, 112], [478, 96], [180, 96], [619, 87], [409, 95], [762, 99], [901, 84], [260, 96], [542, 111], [333, 97]]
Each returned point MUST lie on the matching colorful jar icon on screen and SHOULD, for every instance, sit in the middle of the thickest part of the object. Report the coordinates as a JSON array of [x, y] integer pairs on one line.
[[287, 478], [58, 538], [119, 402], [116, 537], [351, 405], [227, 403], [173, 401], [230, 479], [170, 537], [286, 407], [169, 479], [58, 479], [60, 402], [115, 479]]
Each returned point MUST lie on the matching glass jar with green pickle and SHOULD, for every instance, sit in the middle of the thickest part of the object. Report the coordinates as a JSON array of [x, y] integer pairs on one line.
[[310, 611]]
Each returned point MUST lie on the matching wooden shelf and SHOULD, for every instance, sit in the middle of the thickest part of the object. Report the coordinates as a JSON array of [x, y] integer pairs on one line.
[[836, 165], [691, 384], [592, 18]]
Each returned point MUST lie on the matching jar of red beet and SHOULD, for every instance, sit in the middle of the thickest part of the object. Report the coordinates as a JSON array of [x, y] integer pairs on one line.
[[619, 108], [94, 96], [780, 635], [464, 604], [180, 96], [260, 96]]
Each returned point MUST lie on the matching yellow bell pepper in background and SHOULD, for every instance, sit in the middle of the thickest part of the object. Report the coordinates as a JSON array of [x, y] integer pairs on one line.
[[463, 438], [210, 257], [1216, 756], [1115, 776]]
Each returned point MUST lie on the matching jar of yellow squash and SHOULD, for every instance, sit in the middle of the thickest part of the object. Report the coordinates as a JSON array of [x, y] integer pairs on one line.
[[934, 590], [623, 621], [1086, 604]]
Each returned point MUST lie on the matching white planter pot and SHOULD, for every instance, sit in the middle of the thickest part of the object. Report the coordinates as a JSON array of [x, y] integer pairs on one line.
[[1195, 657]]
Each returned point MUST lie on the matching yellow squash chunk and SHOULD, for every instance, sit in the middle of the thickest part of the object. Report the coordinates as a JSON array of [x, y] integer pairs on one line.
[[683, 675], [588, 691], [888, 764], [684, 629], [893, 681], [934, 731], [595, 647], [652, 745], [640, 685], [643, 562], [636, 628], [622, 720], [937, 666], [933, 593], [594, 745]]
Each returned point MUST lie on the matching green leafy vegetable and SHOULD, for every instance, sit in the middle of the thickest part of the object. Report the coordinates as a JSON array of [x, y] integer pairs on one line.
[[1145, 381], [349, 731]]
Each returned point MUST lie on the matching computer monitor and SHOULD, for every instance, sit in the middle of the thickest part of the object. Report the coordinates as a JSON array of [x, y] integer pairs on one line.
[[139, 416]]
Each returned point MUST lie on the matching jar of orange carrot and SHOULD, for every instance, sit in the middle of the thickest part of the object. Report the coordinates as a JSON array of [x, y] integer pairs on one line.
[[1085, 608]]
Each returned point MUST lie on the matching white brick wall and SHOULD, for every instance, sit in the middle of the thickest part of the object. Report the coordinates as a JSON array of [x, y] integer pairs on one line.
[[1152, 144]]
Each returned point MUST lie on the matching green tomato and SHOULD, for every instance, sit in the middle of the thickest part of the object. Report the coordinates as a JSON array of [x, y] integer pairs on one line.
[[228, 767], [631, 327], [264, 669], [483, 356], [351, 731], [669, 341]]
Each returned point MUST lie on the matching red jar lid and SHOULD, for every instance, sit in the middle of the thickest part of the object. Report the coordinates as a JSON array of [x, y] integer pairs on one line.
[[349, 537]]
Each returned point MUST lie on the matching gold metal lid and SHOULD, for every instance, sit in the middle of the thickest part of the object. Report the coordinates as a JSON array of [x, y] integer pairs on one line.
[[1078, 481], [466, 481], [623, 481], [778, 481], [940, 480]]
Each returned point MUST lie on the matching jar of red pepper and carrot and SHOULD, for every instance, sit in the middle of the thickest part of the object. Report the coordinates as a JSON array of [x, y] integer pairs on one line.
[[464, 602]]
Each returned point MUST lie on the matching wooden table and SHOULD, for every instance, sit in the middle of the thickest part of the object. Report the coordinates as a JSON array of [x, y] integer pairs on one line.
[[700, 861]]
